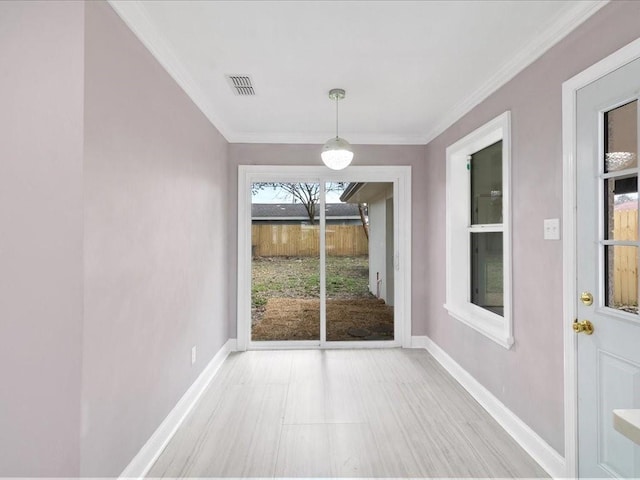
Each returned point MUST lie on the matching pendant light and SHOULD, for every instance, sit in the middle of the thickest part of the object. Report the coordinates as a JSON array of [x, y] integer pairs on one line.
[[336, 153]]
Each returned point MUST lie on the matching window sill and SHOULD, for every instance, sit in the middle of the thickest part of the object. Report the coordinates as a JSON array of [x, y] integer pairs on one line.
[[488, 324]]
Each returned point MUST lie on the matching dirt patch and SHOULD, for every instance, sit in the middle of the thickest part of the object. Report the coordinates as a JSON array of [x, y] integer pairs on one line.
[[299, 277], [348, 319]]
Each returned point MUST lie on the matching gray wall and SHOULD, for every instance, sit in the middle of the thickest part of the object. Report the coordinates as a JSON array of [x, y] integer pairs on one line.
[[155, 244], [41, 53], [528, 379], [113, 200], [285, 154]]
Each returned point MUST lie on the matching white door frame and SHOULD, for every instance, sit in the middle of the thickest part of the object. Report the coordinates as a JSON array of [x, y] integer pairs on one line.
[[401, 178], [570, 88]]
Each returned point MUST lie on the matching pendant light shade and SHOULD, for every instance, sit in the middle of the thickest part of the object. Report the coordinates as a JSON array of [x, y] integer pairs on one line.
[[336, 153]]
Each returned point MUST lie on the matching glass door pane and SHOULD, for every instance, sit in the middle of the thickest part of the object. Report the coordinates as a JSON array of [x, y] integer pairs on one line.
[[359, 261], [285, 265], [621, 208]]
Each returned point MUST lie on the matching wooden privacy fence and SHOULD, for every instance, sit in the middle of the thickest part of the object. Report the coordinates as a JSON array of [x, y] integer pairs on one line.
[[304, 240], [625, 259]]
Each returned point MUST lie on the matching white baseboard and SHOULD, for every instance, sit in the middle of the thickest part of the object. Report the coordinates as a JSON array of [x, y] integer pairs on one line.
[[151, 450], [540, 451], [419, 342]]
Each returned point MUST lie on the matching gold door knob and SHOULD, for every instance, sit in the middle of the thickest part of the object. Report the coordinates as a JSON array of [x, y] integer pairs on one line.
[[586, 298], [585, 326]]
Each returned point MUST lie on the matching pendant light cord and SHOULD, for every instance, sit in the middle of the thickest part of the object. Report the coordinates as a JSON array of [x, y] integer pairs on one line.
[[336, 116]]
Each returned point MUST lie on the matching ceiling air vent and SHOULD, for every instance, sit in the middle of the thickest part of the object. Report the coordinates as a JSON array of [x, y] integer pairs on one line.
[[241, 84]]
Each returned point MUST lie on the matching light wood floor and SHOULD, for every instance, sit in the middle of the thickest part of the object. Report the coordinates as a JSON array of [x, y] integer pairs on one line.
[[340, 413]]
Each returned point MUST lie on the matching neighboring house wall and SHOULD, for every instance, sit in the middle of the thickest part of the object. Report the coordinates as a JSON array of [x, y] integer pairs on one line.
[[42, 52], [528, 379], [380, 247], [155, 244], [101, 297], [377, 236], [390, 252]]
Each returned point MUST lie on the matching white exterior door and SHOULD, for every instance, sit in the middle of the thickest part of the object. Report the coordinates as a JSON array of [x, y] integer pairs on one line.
[[608, 361]]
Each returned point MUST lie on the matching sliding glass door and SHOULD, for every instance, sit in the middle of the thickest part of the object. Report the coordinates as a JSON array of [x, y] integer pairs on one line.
[[285, 261], [318, 259]]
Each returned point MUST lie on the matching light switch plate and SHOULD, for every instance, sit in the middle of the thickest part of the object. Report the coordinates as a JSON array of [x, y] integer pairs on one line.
[[552, 229]]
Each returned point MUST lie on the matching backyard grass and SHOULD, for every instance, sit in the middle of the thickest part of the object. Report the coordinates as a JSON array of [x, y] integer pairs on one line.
[[285, 301], [299, 277]]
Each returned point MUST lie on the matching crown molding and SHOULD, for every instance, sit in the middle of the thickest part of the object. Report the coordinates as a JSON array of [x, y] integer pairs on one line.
[[320, 139], [556, 31], [133, 14]]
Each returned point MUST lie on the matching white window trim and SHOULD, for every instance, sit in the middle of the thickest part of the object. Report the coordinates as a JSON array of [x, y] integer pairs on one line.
[[458, 302]]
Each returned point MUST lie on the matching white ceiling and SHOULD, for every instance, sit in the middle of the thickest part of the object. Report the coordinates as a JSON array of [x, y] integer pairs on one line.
[[410, 69]]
